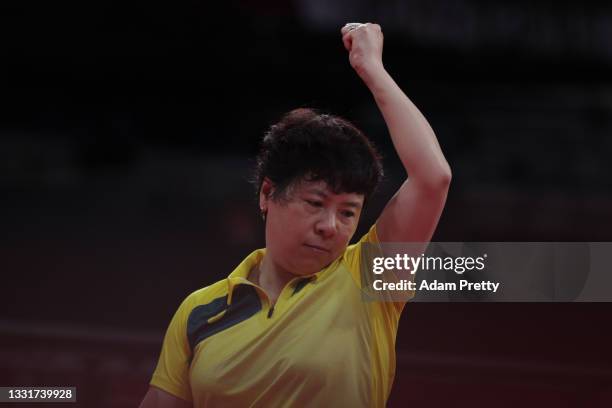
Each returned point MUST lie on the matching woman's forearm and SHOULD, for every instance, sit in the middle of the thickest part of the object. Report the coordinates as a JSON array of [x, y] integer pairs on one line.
[[414, 140]]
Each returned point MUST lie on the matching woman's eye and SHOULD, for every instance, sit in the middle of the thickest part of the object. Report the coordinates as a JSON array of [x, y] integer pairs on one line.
[[315, 203], [348, 214]]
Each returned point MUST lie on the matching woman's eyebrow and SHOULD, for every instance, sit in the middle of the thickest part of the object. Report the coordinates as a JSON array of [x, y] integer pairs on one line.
[[354, 204], [324, 194], [318, 192]]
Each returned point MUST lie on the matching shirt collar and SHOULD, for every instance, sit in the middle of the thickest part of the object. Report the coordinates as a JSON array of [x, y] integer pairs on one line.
[[239, 275]]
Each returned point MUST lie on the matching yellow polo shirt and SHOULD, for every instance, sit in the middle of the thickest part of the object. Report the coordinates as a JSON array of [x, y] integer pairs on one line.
[[321, 345]]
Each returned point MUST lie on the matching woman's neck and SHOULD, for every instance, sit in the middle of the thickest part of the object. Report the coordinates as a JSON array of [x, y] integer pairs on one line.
[[271, 278]]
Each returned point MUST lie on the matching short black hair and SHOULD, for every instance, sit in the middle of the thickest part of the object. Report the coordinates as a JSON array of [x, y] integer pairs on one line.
[[312, 146]]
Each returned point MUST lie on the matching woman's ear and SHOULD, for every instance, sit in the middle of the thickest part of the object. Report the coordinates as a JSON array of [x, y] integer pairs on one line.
[[265, 195]]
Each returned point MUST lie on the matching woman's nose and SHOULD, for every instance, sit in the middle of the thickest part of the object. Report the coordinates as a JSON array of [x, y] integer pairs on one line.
[[327, 225]]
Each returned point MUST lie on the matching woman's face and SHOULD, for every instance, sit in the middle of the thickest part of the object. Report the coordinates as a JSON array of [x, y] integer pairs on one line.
[[310, 226]]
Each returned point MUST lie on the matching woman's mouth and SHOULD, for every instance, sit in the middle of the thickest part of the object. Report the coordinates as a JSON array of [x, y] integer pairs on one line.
[[317, 248]]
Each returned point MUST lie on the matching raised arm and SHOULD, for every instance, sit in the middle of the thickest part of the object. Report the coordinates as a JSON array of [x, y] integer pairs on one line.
[[413, 212]]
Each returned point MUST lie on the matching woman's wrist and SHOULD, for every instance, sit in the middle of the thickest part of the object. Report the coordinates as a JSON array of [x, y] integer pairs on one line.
[[373, 75]]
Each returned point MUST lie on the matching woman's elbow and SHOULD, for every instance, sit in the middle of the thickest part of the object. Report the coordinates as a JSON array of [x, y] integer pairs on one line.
[[445, 177], [438, 182]]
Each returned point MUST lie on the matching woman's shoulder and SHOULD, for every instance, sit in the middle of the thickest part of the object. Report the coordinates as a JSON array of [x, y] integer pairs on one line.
[[206, 294], [369, 240]]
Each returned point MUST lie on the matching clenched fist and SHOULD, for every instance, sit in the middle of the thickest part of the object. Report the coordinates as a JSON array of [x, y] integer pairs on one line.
[[364, 42]]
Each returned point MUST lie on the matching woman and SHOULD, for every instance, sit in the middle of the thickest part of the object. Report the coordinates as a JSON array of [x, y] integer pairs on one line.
[[288, 327]]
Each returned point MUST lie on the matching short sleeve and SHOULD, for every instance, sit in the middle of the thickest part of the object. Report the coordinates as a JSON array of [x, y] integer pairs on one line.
[[353, 253], [359, 255], [172, 371]]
